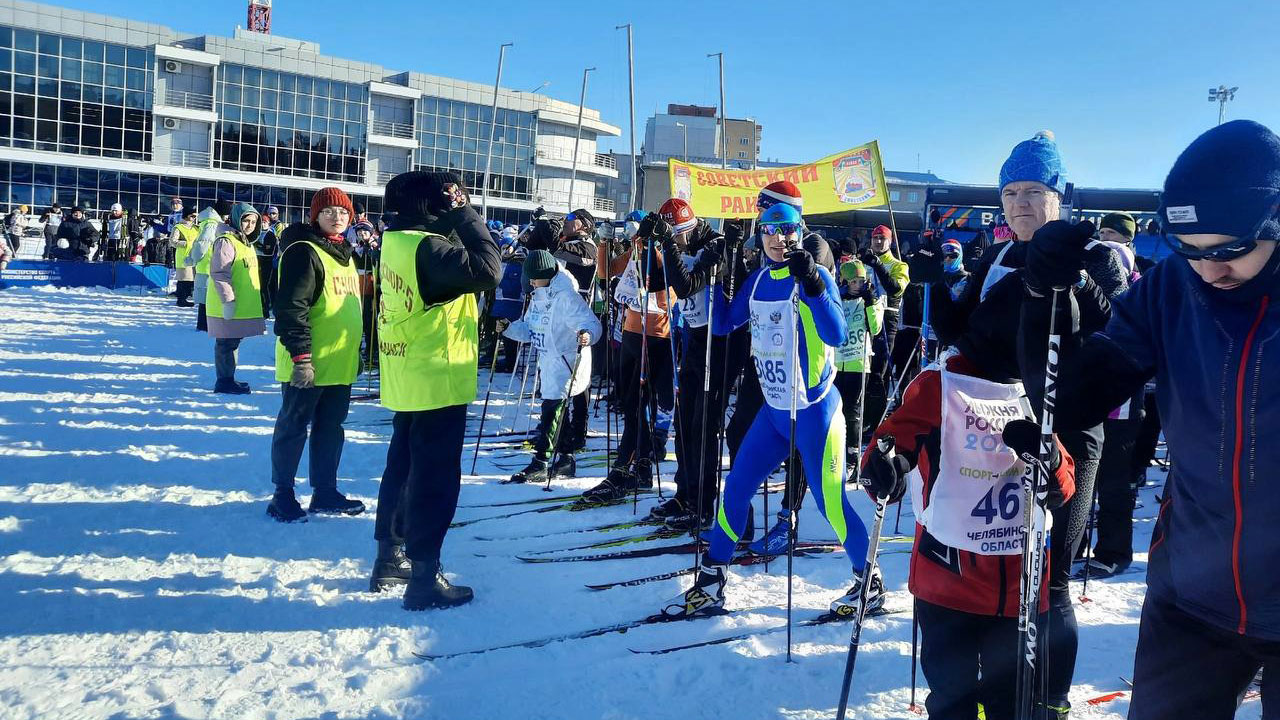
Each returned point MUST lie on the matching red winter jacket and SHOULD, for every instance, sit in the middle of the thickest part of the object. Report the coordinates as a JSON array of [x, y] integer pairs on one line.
[[942, 575]]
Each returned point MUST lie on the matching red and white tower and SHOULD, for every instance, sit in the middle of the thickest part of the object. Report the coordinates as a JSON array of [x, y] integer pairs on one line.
[[260, 16]]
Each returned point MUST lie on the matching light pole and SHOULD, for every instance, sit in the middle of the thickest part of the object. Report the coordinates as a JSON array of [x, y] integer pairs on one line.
[[685, 129], [582, 101], [1222, 95], [493, 126], [544, 84], [724, 140], [631, 86]]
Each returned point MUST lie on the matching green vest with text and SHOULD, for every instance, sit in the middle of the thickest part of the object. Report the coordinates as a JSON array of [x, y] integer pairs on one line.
[[336, 323], [188, 235], [244, 283], [428, 354]]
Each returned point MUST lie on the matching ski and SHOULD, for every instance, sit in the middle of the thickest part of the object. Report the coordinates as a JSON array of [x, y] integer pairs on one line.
[[685, 547], [542, 509], [823, 619], [580, 635], [543, 500], [742, 560], [662, 534], [594, 528]]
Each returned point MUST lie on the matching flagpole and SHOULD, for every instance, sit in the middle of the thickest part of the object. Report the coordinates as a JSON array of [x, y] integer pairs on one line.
[[582, 101]]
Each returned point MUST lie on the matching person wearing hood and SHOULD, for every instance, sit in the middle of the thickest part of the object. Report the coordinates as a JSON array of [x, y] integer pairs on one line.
[[1202, 323], [233, 298], [79, 236], [435, 260], [318, 318], [211, 222], [560, 327]]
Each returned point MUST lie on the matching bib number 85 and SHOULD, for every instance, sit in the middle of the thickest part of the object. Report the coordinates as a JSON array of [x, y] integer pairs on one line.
[[1006, 505], [772, 371]]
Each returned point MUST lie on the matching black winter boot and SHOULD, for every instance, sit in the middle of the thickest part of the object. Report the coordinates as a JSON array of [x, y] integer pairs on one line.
[[333, 502], [390, 568], [534, 472], [284, 507], [429, 588], [618, 485], [564, 465]]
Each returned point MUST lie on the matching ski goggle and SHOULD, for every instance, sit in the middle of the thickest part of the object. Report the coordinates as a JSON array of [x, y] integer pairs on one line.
[[786, 228], [1225, 252]]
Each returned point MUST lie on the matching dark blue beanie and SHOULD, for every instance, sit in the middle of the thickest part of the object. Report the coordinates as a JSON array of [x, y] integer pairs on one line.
[[1035, 159], [1225, 182]]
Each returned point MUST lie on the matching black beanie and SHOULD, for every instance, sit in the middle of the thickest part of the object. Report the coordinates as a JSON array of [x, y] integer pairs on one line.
[[1120, 222], [1226, 182], [540, 265]]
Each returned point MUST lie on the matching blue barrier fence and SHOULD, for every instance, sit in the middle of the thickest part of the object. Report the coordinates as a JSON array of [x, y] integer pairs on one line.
[[31, 273]]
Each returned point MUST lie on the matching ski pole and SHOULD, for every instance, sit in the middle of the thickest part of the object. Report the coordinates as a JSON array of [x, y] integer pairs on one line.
[[885, 446], [712, 291], [557, 423], [791, 458], [1035, 490], [484, 412]]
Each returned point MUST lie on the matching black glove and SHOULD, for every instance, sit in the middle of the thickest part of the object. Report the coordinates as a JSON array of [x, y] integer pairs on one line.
[[885, 473], [709, 258], [805, 270], [1023, 437], [868, 294], [1056, 255], [734, 233], [653, 226]]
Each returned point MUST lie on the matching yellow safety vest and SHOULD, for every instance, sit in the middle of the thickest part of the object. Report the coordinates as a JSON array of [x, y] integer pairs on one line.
[[336, 324], [188, 235], [244, 283], [428, 354]]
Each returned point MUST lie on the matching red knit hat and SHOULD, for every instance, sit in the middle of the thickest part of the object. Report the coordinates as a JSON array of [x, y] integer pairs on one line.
[[782, 191], [330, 197], [678, 214], [882, 230]]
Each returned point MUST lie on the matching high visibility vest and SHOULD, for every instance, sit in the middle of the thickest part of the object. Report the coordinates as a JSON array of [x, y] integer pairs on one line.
[[244, 283], [189, 235], [202, 265], [427, 353], [336, 324]]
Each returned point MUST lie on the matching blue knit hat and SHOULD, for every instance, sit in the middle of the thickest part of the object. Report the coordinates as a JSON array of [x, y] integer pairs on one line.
[[1225, 182], [1035, 159]]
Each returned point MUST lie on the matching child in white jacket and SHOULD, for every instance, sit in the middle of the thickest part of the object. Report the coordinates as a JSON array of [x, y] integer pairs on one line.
[[560, 326]]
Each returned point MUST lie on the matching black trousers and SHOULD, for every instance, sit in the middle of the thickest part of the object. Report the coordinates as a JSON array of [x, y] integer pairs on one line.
[[880, 380], [202, 322], [849, 385], [185, 289], [969, 659], [419, 491], [322, 409], [1186, 668], [267, 281], [1117, 484], [571, 434], [702, 415], [647, 411]]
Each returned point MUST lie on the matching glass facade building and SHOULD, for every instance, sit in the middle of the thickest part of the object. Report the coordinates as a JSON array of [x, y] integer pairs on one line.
[[454, 135]]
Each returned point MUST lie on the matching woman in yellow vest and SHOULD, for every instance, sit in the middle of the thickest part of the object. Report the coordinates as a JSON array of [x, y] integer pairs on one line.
[[318, 326], [427, 339], [183, 237], [233, 301]]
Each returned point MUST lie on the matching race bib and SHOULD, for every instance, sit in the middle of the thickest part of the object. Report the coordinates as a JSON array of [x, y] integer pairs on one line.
[[854, 346], [539, 319], [629, 292], [694, 308], [977, 502]]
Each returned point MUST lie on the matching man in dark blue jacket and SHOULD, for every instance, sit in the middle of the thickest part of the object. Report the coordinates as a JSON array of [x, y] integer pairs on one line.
[[1205, 325]]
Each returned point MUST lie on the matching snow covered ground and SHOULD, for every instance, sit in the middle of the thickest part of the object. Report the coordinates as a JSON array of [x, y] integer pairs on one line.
[[140, 576]]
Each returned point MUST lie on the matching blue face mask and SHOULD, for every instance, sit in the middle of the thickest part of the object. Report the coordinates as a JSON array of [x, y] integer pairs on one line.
[[951, 263]]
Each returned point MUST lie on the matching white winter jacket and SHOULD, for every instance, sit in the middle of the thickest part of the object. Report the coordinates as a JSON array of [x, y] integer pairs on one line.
[[555, 316]]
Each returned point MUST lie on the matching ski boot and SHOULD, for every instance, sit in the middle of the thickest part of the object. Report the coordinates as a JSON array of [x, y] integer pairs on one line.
[[706, 597], [429, 588], [673, 507], [284, 507], [689, 522], [332, 502], [390, 568], [846, 605], [1101, 569], [775, 541], [534, 472], [617, 486], [644, 474], [565, 465], [230, 387]]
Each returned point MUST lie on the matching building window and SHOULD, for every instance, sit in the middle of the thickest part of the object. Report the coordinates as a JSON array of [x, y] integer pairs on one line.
[[286, 124], [894, 196], [454, 136], [742, 153], [64, 94], [744, 141], [913, 197]]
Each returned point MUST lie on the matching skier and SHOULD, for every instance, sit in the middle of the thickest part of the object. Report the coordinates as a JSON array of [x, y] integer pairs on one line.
[[182, 238], [318, 318], [266, 246], [52, 219], [233, 298], [560, 327], [1201, 323], [645, 368], [863, 316], [891, 277], [427, 343], [793, 308]]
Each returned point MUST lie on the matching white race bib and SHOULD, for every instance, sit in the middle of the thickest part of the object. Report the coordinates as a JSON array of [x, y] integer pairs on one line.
[[854, 346], [694, 308], [539, 319], [629, 291], [976, 502], [774, 345]]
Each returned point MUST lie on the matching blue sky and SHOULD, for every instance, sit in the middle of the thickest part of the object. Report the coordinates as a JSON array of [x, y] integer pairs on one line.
[[944, 86]]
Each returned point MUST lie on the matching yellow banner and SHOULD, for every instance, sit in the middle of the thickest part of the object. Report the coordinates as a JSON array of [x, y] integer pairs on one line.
[[845, 181]]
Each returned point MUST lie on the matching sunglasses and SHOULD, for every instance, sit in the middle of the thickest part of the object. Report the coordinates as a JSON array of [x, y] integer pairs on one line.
[[1225, 252], [779, 228]]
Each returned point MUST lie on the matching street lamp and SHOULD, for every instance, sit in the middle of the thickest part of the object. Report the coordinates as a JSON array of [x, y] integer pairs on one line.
[[1221, 95], [544, 84], [685, 129]]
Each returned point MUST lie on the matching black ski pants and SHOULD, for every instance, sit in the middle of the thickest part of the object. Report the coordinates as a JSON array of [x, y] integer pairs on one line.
[[185, 289], [322, 409], [969, 659], [268, 281], [1186, 668], [419, 491], [1117, 484], [573, 422], [647, 411], [701, 416]]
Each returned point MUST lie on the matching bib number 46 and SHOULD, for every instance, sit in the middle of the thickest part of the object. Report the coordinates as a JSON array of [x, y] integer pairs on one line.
[[1006, 506]]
